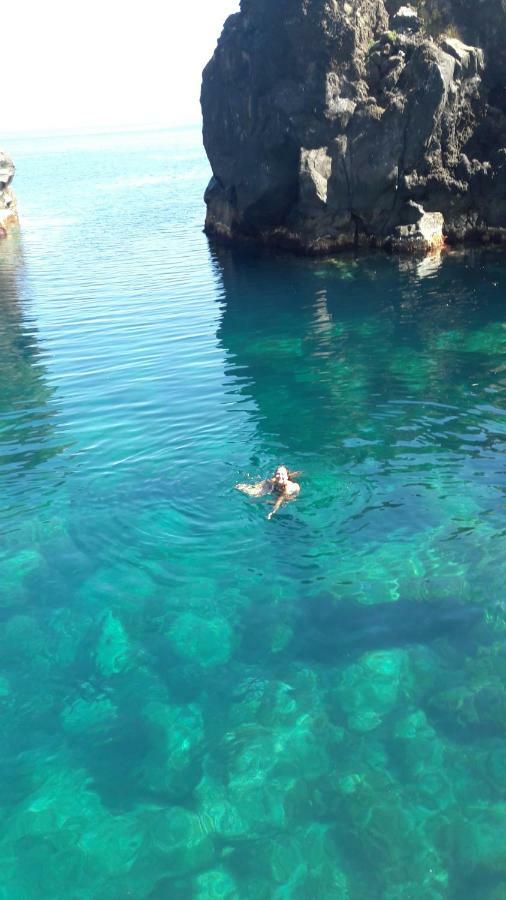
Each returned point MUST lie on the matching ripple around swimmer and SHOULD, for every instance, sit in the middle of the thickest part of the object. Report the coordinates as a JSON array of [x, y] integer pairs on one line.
[[336, 501]]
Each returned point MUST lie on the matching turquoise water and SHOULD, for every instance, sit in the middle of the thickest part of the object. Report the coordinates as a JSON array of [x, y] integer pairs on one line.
[[197, 702]]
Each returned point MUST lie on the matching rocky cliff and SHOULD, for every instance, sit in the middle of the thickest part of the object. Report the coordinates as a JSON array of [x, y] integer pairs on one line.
[[334, 123], [8, 211]]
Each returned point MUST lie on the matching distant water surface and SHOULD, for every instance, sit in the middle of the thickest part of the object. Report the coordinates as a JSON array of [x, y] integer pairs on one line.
[[197, 702]]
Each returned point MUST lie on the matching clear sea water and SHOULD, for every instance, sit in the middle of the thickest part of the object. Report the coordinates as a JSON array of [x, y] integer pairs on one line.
[[197, 702]]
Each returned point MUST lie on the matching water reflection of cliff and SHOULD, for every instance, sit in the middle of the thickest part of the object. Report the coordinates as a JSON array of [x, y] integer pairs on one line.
[[319, 344], [26, 414]]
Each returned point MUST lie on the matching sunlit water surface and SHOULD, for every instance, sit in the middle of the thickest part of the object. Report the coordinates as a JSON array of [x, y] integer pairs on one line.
[[197, 702]]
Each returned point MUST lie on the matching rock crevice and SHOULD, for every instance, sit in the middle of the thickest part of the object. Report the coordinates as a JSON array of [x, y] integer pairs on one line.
[[332, 124]]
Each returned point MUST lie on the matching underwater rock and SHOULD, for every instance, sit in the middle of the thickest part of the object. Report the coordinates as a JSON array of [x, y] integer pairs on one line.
[[421, 756], [112, 586], [496, 892], [5, 688], [46, 826], [281, 635], [388, 826], [113, 843], [305, 863], [23, 639], [65, 635], [474, 703], [275, 703], [370, 689], [221, 817], [85, 716], [114, 652], [481, 841], [206, 641], [216, 884], [274, 770], [175, 734], [266, 807], [248, 699], [14, 570], [178, 839]]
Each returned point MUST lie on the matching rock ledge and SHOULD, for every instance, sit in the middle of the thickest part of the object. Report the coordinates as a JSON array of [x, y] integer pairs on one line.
[[330, 125], [8, 209]]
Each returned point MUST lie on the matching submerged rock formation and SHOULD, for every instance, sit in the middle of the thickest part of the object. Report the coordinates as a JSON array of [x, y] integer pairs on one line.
[[8, 211], [335, 123]]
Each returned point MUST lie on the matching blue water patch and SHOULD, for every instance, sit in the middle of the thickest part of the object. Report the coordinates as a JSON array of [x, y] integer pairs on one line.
[[198, 702]]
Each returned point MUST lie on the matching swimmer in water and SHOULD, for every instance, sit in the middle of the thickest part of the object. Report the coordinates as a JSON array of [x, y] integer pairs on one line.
[[280, 483]]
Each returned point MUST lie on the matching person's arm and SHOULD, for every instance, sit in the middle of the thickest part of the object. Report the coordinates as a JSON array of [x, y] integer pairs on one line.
[[294, 475], [279, 502], [256, 490]]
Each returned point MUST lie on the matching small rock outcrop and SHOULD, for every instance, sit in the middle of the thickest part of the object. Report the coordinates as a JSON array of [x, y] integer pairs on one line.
[[357, 123], [8, 210]]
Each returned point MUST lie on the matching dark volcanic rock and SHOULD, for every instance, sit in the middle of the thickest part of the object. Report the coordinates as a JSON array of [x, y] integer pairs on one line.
[[8, 211], [325, 129]]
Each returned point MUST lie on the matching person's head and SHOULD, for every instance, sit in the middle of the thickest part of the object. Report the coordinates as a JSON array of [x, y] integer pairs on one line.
[[281, 476]]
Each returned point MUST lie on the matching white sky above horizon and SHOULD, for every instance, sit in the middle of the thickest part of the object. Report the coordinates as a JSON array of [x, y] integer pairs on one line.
[[106, 63]]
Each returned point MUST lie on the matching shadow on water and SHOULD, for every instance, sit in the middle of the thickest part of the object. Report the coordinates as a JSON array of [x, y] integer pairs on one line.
[[27, 437], [323, 629], [316, 343], [326, 631]]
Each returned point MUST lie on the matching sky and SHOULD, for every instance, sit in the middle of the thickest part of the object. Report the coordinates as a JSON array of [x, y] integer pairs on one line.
[[106, 63]]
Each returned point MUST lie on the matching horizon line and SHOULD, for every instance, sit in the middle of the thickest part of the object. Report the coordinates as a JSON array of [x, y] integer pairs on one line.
[[39, 131]]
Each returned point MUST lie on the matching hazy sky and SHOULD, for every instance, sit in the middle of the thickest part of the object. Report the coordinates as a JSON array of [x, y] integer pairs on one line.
[[106, 62]]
